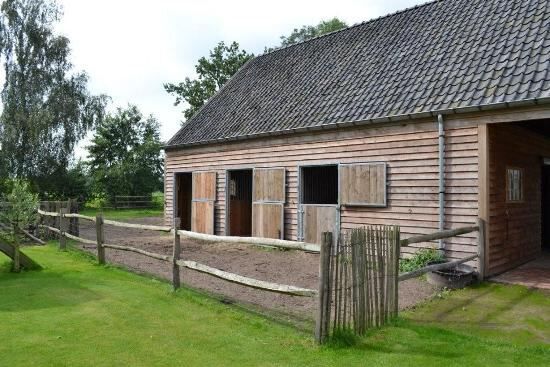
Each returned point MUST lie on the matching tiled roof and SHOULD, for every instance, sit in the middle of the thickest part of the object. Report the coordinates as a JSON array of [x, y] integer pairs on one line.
[[443, 55]]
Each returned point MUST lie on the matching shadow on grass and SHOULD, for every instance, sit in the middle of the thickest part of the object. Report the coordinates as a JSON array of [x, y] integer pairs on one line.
[[40, 290]]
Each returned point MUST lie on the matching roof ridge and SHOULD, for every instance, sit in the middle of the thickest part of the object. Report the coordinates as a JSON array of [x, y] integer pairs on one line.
[[429, 2]]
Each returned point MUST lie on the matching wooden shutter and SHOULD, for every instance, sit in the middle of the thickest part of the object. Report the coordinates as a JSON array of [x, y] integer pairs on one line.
[[268, 198], [318, 219], [363, 184], [204, 197]]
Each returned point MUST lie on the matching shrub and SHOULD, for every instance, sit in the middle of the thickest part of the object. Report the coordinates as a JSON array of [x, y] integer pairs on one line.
[[158, 200], [420, 259], [20, 213]]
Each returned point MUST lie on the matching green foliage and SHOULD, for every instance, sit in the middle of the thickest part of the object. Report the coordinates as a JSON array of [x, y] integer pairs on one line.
[[213, 72], [21, 205], [158, 200], [307, 32], [125, 155], [47, 107], [420, 259]]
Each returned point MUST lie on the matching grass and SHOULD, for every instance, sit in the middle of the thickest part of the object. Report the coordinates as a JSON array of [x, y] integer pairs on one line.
[[77, 313], [122, 214]]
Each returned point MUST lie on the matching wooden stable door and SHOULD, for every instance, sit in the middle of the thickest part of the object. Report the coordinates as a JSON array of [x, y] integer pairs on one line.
[[268, 198], [204, 197], [318, 218]]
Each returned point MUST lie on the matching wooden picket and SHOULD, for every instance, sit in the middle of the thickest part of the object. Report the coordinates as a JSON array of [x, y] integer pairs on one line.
[[358, 281]]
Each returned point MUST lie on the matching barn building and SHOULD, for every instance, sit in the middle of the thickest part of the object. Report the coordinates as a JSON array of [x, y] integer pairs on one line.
[[427, 118]]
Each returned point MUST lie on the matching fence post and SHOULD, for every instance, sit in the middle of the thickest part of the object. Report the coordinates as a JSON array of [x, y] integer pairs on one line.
[[62, 228], [176, 255], [323, 315], [481, 248], [100, 234], [397, 256]]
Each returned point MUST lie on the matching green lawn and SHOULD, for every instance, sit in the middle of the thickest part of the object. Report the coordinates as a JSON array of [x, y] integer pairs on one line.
[[122, 214], [76, 313]]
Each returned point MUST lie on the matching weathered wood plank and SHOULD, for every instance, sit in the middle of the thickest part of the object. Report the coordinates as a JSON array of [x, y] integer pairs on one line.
[[426, 269], [249, 282], [138, 251], [256, 241]]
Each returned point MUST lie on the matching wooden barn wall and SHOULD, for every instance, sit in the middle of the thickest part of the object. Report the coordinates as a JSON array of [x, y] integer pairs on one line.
[[410, 150], [515, 228]]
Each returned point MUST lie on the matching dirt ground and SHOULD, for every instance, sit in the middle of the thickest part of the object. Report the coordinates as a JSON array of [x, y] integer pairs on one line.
[[284, 267]]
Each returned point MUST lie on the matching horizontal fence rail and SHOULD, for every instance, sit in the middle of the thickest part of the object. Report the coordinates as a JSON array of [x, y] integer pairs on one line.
[[434, 267], [250, 282], [438, 235], [480, 228], [258, 241]]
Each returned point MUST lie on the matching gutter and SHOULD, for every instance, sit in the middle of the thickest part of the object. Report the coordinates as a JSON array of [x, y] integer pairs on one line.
[[441, 140], [377, 120]]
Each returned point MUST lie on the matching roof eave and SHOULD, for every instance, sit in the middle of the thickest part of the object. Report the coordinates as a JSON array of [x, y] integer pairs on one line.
[[377, 120]]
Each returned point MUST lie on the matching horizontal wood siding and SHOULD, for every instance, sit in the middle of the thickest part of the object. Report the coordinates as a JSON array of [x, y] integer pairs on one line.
[[411, 154], [515, 227]]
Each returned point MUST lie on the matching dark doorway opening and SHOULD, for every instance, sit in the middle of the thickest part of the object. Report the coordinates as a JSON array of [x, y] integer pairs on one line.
[[184, 198], [319, 185], [239, 190], [546, 207]]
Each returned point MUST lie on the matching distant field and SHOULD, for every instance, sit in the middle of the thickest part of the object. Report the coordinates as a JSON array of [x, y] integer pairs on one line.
[[124, 213], [77, 313]]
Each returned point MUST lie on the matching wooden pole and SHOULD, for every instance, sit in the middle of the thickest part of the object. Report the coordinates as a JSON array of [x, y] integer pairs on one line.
[[62, 228], [16, 253], [176, 255], [397, 256], [481, 248], [322, 324], [100, 238]]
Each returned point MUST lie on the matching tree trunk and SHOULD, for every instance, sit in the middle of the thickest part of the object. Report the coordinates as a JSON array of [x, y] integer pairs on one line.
[[16, 260], [16, 257]]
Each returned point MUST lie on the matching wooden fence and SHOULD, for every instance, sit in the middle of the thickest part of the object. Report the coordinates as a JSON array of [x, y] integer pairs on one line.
[[175, 260], [358, 287], [131, 202], [358, 274]]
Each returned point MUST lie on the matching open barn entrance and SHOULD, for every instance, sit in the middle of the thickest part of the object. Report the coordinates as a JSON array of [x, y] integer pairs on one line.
[[184, 184], [318, 202], [240, 202], [546, 205]]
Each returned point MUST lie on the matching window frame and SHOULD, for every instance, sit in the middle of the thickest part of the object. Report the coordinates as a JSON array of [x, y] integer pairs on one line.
[[510, 197]]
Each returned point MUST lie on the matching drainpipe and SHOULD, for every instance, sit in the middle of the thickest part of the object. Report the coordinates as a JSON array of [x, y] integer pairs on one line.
[[441, 128]]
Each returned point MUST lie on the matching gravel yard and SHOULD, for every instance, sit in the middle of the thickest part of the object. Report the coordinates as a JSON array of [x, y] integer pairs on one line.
[[283, 267]]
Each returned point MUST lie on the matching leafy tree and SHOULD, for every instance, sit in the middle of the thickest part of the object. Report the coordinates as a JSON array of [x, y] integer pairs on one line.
[[213, 72], [20, 213], [47, 107], [125, 154], [307, 32]]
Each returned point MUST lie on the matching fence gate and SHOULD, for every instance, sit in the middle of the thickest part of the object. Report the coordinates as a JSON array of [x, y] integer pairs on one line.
[[316, 219], [202, 204], [359, 274], [268, 198]]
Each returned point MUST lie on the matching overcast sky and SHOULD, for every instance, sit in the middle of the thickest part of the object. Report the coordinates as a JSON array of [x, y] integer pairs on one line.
[[131, 47]]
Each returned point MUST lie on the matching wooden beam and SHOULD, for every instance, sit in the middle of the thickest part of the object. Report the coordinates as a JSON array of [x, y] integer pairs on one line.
[[137, 226], [438, 235], [176, 253], [257, 241], [138, 251], [484, 191], [80, 216], [426, 269], [100, 238], [79, 239], [249, 282]]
